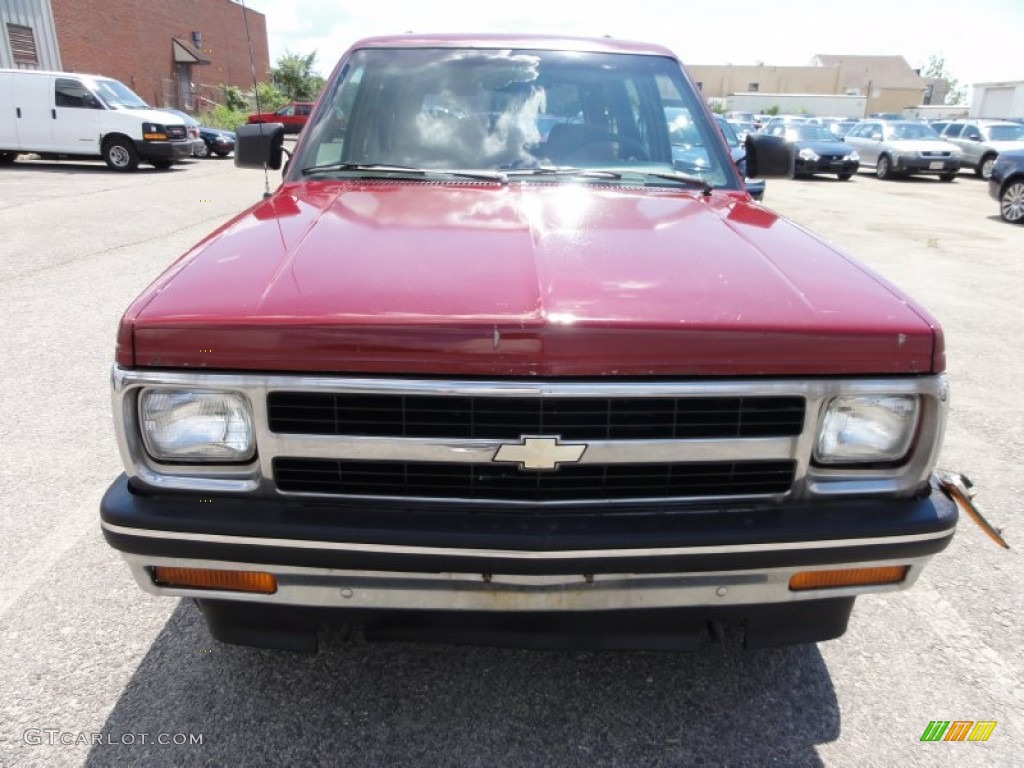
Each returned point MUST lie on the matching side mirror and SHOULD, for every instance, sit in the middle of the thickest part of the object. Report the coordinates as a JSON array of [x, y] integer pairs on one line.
[[259, 145], [767, 157]]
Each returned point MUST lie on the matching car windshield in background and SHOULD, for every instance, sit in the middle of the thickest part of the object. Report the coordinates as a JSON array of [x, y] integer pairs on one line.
[[117, 96], [910, 132], [1006, 133], [440, 109], [809, 132], [730, 135], [186, 118]]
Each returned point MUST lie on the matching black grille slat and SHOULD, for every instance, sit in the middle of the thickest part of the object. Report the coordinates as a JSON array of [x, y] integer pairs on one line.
[[508, 418], [498, 482]]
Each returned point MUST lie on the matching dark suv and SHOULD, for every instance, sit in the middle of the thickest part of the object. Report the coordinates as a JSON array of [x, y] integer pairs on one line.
[[1006, 184]]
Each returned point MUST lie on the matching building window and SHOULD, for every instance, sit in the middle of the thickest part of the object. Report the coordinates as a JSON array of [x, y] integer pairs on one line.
[[700, 86], [753, 87], [23, 46]]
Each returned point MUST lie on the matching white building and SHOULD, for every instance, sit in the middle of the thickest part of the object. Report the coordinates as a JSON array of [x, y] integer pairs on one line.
[[998, 99]]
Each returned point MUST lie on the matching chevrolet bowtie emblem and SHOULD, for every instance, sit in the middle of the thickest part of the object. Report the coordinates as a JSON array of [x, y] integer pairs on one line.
[[539, 453]]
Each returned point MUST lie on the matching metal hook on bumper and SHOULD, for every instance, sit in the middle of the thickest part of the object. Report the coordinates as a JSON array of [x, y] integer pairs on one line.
[[958, 488]]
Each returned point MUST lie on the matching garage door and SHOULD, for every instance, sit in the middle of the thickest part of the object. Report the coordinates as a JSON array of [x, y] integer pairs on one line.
[[997, 102]]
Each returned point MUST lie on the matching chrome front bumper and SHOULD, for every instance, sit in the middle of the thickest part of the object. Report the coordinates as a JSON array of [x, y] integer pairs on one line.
[[391, 591]]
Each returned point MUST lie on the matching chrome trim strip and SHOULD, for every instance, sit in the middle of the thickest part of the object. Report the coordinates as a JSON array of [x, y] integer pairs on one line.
[[257, 477], [514, 554], [609, 387], [476, 451], [468, 591]]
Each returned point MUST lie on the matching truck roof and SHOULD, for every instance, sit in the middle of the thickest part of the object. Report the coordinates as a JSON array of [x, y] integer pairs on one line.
[[542, 42], [55, 72]]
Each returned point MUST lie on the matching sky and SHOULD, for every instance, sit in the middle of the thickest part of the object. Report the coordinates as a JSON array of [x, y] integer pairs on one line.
[[980, 40]]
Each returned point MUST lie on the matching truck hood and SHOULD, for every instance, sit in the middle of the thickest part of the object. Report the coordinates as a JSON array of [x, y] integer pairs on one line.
[[473, 278], [152, 116]]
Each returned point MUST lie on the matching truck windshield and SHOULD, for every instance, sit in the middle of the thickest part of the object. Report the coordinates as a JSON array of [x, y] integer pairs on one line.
[[507, 110], [116, 95]]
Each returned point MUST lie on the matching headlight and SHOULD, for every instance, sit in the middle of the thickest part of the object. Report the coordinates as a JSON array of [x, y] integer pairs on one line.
[[154, 132], [853, 157], [866, 429], [196, 425], [809, 154]]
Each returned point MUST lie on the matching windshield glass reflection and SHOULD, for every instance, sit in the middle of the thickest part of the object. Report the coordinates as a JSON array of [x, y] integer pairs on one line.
[[509, 109]]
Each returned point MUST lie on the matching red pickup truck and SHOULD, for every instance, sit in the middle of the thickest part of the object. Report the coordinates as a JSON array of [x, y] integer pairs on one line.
[[293, 116], [458, 377]]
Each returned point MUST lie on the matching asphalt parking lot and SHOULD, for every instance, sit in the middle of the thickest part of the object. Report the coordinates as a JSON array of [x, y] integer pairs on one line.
[[97, 673]]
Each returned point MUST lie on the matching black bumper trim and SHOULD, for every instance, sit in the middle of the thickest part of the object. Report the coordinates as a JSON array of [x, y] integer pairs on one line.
[[164, 150], [675, 629], [772, 536]]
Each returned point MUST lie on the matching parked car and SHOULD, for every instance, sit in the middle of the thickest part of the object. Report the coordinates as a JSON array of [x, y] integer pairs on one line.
[[448, 380], [67, 114], [745, 117], [785, 120], [1006, 184], [293, 116], [208, 140], [689, 153], [192, 127], [815, 150], [738, 151], [982, 141], [218, 141], [903, 147], [742, 129], [837, 126]]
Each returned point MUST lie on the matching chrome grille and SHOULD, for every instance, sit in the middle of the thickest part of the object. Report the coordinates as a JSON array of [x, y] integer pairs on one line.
[[333, 450]]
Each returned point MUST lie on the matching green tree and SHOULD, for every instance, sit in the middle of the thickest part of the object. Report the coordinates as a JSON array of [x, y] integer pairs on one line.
[[295, 78], [936, 67], [233, 98], [268, 98]]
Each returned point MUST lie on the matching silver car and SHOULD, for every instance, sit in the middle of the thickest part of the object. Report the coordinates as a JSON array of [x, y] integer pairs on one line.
[[903, 147], [982, 140]]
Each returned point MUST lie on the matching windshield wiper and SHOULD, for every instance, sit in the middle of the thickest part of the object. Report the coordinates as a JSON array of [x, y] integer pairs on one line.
[[682, 178], [420, 172], [565, 170], [599, 173]]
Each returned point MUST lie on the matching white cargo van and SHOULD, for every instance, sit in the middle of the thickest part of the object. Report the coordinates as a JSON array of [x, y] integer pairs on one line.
[[65, 114]]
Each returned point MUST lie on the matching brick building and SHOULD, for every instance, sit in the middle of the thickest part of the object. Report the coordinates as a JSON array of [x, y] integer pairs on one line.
[[173, 54]]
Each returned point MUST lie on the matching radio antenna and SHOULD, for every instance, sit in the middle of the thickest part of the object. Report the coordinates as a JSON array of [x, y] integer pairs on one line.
[[256, 94]]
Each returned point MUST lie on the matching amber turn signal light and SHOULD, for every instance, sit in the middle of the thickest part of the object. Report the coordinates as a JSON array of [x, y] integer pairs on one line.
[[204, 578], [848, 577]]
